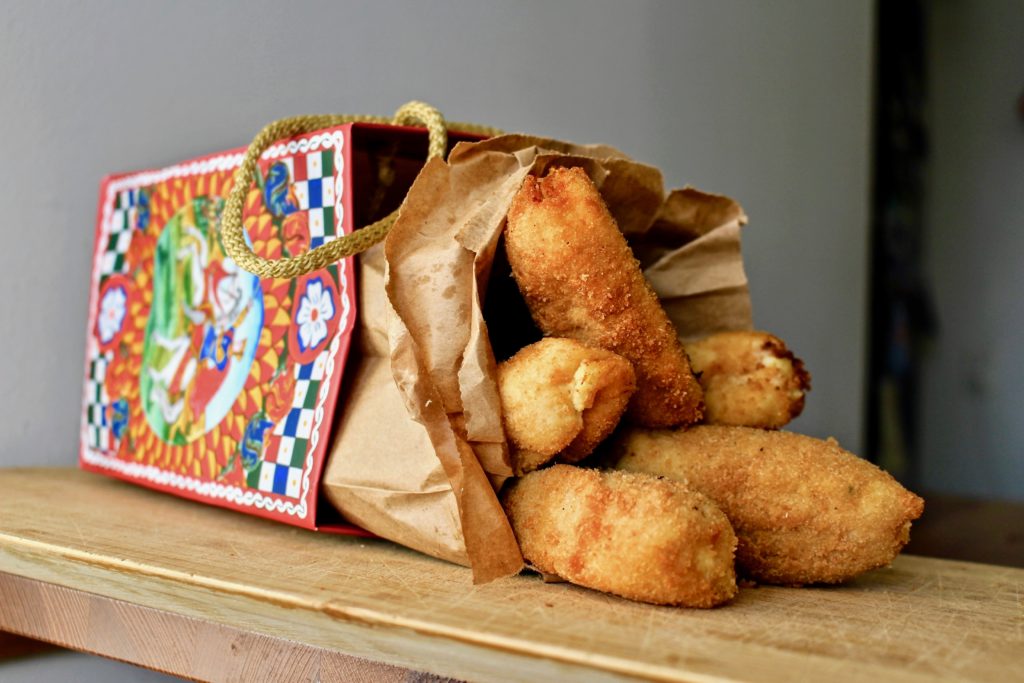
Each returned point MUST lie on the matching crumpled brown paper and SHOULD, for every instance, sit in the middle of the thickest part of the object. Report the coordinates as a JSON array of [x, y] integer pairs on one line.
[[419, 449]]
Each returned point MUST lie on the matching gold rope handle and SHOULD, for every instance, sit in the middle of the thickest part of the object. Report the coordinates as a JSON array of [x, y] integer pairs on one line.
[[232, 230]]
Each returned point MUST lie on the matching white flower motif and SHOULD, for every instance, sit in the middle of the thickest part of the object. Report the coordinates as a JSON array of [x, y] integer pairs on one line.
[[113, 309], [315, 309]]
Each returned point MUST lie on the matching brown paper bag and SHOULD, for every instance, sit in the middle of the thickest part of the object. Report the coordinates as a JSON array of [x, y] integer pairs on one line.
[[419, 449]]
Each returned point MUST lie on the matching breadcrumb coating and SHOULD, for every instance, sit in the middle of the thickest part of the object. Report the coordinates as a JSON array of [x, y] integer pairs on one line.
[[749, 379], [804, 509], [581, 280], [632, 535], [561, 398]]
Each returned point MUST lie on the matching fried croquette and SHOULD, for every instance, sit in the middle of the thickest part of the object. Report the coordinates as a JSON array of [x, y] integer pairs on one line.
[[637, 536], [749, 379], [560, 397], [805, 510], [580, 280]]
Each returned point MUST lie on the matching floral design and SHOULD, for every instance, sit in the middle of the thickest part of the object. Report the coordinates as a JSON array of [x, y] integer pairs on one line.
[[113, 309], [316, 308]]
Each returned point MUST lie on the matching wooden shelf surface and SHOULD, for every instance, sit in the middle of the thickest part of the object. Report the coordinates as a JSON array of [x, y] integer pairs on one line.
[[105, 567]]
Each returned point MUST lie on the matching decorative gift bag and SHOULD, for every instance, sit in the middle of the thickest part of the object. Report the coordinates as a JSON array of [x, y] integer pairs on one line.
[[203, 379], [241, 354]]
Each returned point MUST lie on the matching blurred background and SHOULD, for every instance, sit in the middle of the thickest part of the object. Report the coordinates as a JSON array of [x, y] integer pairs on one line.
[[878, 150]]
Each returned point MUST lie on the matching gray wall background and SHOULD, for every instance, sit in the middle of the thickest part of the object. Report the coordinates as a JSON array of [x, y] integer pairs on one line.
[[767, 102], [972, 416]]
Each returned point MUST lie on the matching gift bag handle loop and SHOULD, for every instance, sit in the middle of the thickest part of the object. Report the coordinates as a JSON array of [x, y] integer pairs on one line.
[[232, 230]]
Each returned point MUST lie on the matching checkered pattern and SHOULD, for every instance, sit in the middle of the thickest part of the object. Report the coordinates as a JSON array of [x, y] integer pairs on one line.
[[313, 180], [119, 230], [96, 396], [122, 220], [281, 470]]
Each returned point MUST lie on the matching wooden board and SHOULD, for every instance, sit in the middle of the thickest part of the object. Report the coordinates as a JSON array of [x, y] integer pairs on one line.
[[99, 565]]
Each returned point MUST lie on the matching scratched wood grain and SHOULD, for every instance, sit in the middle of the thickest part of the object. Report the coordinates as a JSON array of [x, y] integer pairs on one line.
[[105, 567]]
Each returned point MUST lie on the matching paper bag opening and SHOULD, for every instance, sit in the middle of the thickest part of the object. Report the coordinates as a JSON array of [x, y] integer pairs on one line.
[[420, 450]]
